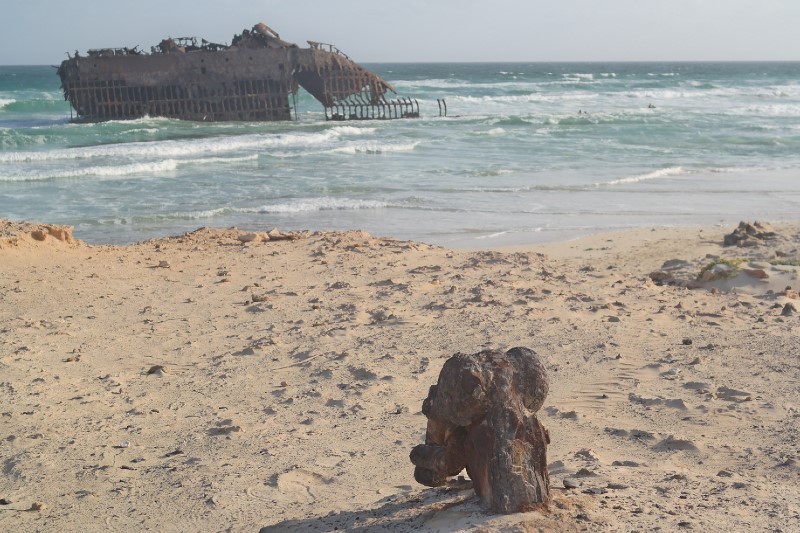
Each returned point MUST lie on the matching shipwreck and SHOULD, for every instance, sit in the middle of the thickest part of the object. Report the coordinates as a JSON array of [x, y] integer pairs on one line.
[[252, 79]]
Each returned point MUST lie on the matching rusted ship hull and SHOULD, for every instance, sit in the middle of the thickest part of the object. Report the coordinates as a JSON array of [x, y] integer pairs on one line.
[[251, 80], [227, 85]]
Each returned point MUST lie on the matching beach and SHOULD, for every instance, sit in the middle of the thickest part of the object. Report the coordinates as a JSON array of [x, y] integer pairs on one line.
[[230, 380]]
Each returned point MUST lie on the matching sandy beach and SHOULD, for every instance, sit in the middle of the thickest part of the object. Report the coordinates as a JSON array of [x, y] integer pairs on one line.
[[219, 381]]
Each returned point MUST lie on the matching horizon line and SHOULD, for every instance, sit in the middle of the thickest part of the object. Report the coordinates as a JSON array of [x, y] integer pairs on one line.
[[521, 62]]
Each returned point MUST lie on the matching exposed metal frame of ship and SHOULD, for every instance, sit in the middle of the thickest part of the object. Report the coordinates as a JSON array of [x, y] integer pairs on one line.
[[249, 80]]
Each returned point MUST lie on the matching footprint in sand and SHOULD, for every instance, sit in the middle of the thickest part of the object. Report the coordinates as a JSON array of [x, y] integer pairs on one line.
[[301, 485], [362, 374], [733, 395], [296, 486], [672, 443], [674, 403]]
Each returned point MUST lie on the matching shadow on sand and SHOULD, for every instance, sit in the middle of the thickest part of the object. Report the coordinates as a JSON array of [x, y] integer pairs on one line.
[[399, 512]]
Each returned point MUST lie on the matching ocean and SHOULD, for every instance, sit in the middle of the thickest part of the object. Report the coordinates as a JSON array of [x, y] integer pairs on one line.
[[528, 153]]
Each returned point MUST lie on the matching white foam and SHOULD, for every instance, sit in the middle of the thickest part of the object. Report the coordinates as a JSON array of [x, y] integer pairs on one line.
[[196, 215], [143, 130], [494, 132], [153, 167], [302, 205], [6, 101], [109, 171], [578, 77], [738, 170], [374, 148], [415, 85], [351, 130], [663, 173], [184, 148], [492, 235], [772, 110], [700, 90], [524, 98]]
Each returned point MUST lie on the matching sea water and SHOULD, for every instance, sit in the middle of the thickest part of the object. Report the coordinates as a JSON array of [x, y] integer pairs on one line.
[[528, 152]]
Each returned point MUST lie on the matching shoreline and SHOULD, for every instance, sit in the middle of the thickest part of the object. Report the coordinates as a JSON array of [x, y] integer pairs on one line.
[[218, 380]]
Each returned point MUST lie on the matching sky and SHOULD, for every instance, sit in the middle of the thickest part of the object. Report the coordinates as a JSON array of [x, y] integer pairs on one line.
[[40, 32]]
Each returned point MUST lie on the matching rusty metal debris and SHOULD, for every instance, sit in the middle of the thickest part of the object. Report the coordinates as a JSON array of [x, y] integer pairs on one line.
[[251, 79]]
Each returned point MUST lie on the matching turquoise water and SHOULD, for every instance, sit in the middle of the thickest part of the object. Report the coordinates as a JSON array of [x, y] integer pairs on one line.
[[528, 153]]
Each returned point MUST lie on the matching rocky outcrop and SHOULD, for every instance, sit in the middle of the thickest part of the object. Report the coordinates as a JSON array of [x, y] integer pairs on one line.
[[15, 233], [746, 234]]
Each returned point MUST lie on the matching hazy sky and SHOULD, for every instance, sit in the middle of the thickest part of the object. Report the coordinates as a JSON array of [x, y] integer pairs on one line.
[[41, 31]]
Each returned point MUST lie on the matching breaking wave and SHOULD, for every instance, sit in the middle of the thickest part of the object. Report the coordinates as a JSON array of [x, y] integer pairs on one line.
[[663, 173], [297, 206], [302, 205], [184, 148], [153, 167], [374, 148], [578, 77]]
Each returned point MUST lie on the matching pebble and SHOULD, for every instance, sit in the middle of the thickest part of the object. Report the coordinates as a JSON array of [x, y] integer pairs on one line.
[[789, 309], [38, 506], [659, 276], [631, 464], [756, 273], [571, 483], [586, 455], [718, 271], [595, 491], [164, 264], [5, 501], [399, 409], [157, 369], [225, 430], [249, 237], [674, 264]]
